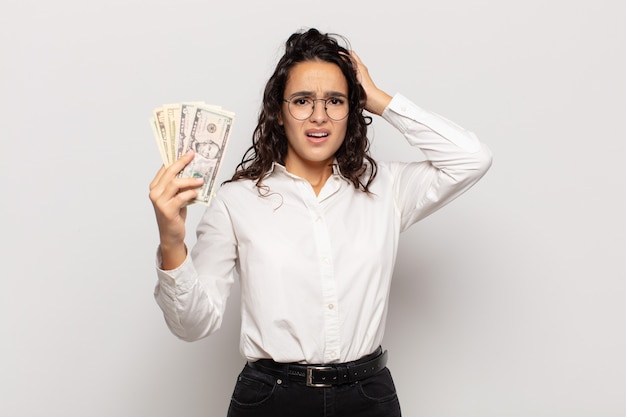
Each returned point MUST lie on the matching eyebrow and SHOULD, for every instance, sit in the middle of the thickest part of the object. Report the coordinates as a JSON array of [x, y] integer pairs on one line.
[[312, 94]]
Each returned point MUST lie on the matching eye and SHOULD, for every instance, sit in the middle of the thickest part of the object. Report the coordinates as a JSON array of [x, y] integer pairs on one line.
[[301, 101], [335, 101]]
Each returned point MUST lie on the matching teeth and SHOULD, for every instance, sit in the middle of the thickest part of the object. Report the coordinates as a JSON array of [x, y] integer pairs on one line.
[[318, 135]]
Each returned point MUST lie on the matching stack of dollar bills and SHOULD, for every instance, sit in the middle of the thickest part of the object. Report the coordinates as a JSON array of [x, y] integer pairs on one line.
[[201, 127]]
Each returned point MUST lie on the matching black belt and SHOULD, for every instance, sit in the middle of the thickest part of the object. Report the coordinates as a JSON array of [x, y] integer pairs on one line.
[[325, 375]]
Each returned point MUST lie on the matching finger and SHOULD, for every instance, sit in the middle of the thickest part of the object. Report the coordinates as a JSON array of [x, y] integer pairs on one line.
[[178, 185], [356, 60], [183, 198], [167, 174], [170, 211], [157, 177], [179, 164], [359, 67], [166, 192]]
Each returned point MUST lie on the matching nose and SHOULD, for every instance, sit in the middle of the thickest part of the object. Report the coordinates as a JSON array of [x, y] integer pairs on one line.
[[319, 110]]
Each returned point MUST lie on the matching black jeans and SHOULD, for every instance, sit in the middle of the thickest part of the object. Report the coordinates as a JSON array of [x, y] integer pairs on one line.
[[258, 394]]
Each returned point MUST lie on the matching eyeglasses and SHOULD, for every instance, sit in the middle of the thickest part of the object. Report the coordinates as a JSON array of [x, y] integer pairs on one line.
[[301, 108]]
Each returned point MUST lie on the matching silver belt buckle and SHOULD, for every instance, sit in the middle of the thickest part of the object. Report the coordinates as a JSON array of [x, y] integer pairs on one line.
[[309, 376]]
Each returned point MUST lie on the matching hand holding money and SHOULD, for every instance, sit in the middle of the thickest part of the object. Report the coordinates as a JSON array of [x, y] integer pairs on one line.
[[170, 196], [199, 127]]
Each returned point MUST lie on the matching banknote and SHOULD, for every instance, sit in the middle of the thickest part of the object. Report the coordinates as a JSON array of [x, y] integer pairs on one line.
[[172, 123], [187, 113], [159, 122], [208, 139], [198, 126], [159, 141]]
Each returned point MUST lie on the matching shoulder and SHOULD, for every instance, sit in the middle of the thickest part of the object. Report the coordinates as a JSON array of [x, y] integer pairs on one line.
[[384, 171], [389, 173], [242, 195], [234, 189]]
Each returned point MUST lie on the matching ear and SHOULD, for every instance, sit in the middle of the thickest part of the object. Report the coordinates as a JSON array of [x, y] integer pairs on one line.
[[280, 119]]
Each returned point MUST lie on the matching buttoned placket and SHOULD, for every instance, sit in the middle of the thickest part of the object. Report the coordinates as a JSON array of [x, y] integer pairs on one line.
[[328, 285]]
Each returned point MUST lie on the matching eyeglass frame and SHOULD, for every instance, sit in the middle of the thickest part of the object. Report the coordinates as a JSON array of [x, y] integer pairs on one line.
[[325, 100]]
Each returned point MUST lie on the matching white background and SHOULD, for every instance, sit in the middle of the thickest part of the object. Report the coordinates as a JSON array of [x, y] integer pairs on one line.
[[510, 302]]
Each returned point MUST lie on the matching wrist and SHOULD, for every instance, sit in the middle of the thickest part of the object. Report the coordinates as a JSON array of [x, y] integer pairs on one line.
[[377, 102], [172, 256]]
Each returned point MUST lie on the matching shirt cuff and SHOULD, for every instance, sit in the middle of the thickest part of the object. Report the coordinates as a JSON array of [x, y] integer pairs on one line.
[[178, 279]]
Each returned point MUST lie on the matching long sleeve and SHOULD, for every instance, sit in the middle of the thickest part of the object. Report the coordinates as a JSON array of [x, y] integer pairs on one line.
[[455, 160], [303, 296], [193, 302]]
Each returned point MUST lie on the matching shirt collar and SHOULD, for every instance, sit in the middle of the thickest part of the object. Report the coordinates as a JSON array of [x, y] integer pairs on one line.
[[280, 168]]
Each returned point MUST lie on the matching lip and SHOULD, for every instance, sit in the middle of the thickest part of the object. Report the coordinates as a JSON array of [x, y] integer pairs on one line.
[[317, 139]]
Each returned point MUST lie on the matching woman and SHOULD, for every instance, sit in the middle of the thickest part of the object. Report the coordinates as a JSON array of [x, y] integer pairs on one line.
[[309, 223]]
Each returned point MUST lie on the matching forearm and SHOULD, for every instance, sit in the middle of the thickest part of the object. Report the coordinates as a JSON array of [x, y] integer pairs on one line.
[[377, 101], [190, 309], [456, 160], [194, 292], [448, 147]]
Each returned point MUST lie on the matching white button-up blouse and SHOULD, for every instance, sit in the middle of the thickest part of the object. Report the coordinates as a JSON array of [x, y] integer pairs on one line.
[[315, 270]]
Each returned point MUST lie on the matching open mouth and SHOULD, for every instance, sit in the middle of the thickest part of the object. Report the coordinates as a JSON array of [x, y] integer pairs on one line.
[[317, 135]]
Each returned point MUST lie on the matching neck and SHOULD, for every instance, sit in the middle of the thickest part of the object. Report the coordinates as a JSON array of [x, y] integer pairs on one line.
[[315, 174]]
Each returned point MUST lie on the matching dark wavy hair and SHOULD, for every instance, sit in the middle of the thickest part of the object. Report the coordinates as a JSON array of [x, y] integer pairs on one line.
[[269, 142]]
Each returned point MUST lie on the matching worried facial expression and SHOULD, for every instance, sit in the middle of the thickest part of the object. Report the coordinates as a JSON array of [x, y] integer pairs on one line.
[[313, 140]]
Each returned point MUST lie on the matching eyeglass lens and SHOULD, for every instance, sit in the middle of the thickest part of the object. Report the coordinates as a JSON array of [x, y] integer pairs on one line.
[[302, 108]]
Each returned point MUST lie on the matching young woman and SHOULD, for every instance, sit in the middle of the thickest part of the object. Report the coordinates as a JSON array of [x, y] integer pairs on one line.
[[309, 224]]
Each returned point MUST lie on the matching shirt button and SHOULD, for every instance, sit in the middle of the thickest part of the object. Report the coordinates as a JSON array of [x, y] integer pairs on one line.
[[331, 306]]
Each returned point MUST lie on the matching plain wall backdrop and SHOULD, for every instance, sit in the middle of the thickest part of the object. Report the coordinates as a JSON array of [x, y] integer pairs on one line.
[[509, 302]]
